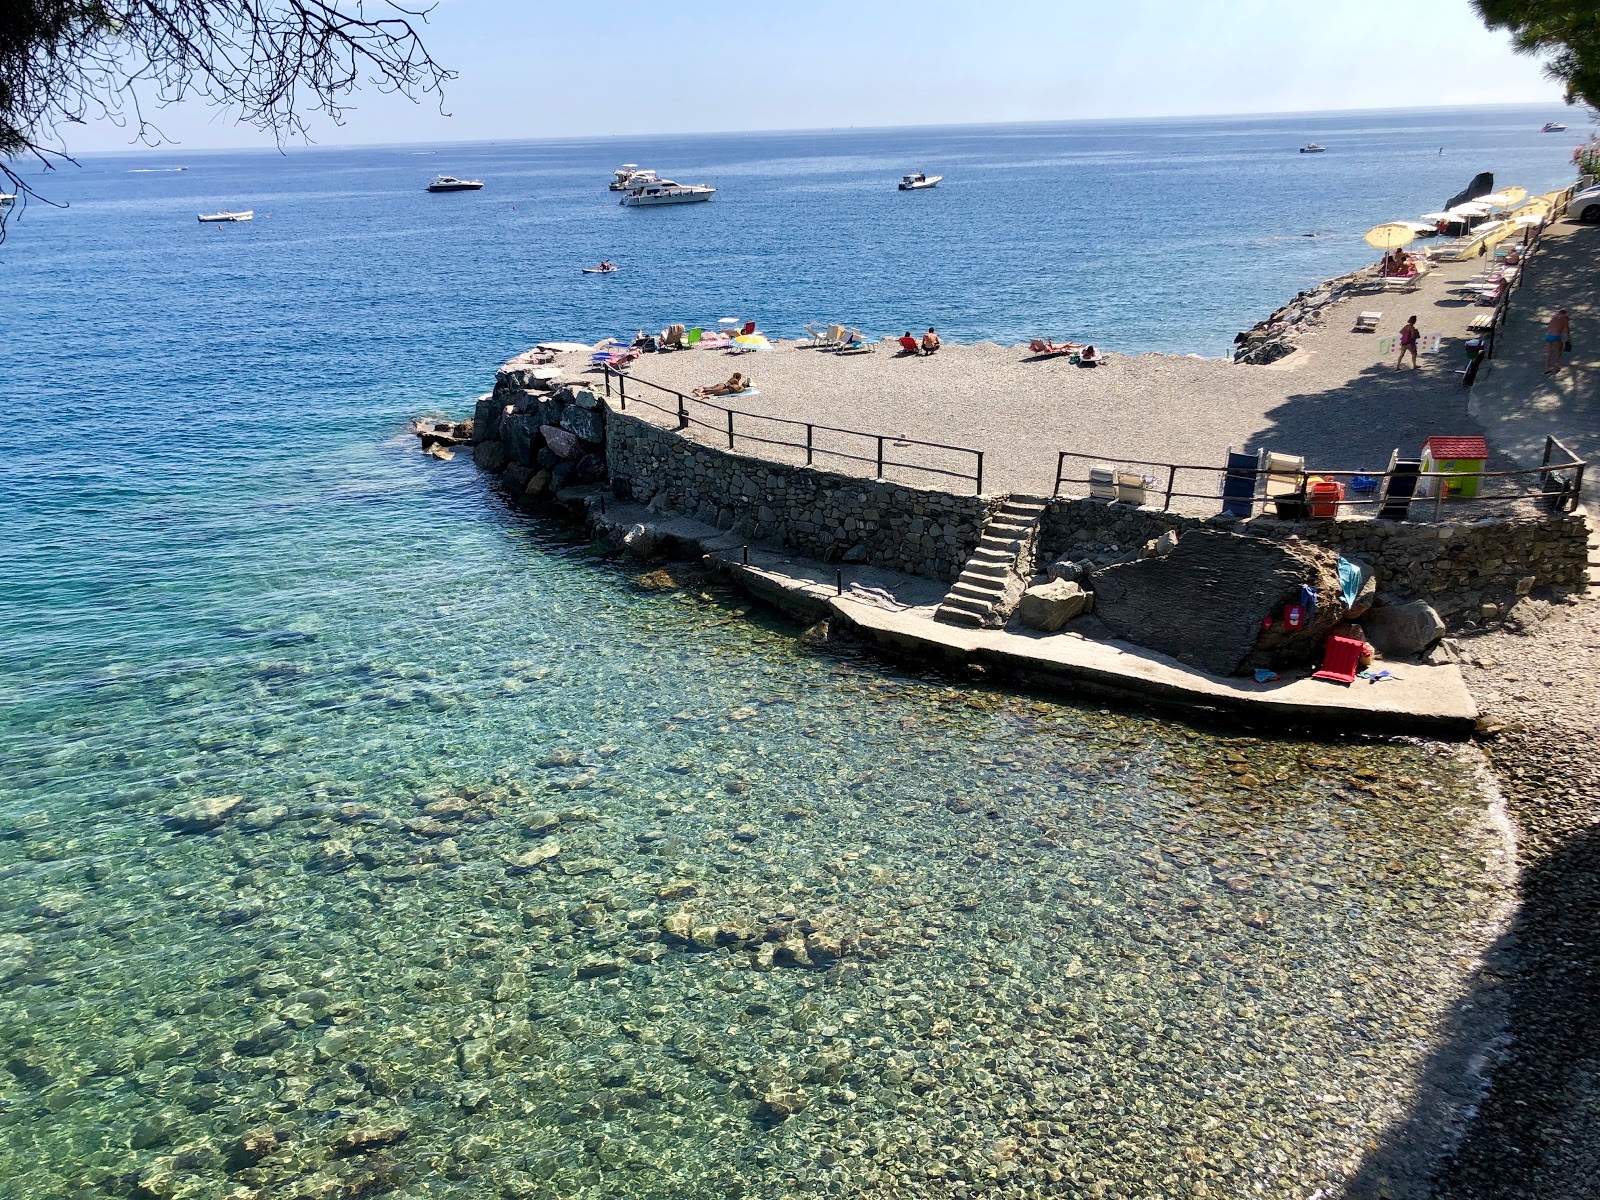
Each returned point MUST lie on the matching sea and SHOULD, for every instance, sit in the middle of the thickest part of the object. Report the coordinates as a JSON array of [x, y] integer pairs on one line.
[[360, 835]]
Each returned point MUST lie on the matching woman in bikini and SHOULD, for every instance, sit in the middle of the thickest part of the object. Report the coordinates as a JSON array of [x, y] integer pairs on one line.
[[736, 384]]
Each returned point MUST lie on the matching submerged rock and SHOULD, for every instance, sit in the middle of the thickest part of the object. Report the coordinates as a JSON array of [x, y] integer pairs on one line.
[[360, 1141], [530, 860], [200, 816]]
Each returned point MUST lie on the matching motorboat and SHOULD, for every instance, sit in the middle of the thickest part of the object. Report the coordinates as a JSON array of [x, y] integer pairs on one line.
[[602, 269], [628, 175], [228, 215], [7, 199], [1313, 148], [1553, 127], [664, 191], [449, 183], [917, 181]]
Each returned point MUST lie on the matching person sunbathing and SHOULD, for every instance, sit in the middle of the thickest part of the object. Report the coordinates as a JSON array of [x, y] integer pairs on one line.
[[1089, 358], [930, 341], [1048, 346], [736, 383]]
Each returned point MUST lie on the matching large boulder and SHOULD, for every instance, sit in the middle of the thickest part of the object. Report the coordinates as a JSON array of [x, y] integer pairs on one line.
[[587, 424], [1402, 630], [1049, 606], [486, 418], [562, 443], [518, 432], [1207, 601], [491, 456]]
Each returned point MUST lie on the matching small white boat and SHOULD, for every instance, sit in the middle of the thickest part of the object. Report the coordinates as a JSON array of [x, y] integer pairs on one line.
[[628, 175], [1313, 148], [601, 270], [917, 181], [7, 199], [449, 183], [664, 191], [1553, 127], [228, 215]]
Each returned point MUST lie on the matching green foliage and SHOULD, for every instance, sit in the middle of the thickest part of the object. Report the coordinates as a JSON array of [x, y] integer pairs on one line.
[[1566, 32]]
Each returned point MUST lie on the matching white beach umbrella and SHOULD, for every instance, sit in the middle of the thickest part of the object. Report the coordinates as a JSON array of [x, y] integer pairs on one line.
[[1537, 218], [1438, 216], [1419, 226], [1472, 209]]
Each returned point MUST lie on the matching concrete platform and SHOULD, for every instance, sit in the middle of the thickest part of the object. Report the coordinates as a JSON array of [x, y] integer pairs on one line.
[[895, 613]]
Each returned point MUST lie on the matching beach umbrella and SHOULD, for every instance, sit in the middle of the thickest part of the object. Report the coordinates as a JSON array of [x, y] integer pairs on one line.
[[1533, 218], [1419, 227], [752, 341], [1391, 236], [1439, 216], [1472, 209]]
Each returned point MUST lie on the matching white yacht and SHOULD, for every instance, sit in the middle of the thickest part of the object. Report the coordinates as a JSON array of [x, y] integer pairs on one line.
[[1553, 127], [628, 175], [7, 199], [229, 215], [449, 183], [916, 181], [1313, 148], [664, 191]]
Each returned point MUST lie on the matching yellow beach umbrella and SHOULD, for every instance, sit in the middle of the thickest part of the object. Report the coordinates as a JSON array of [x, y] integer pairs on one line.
[[1391, 236], [1514, 195]]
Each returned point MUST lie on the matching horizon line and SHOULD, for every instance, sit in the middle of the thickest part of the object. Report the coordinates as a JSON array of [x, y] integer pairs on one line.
[[312, 144]]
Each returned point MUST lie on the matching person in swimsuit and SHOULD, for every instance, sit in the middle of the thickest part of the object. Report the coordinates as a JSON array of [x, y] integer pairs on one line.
[[1555, 340], [1410, 335], [930, 341], [737, 383]]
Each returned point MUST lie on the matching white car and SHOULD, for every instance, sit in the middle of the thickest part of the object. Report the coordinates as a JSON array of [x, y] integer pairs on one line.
[[1585, 206]]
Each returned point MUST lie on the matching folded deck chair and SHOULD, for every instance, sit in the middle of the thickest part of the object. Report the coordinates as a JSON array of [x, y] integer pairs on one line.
[[820, 339], [1239, 483], [855, 343], [1341, 659], [1402, 479], [1285, 473]]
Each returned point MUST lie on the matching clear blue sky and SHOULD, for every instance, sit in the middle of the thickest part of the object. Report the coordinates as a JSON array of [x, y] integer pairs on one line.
[[532, 70]]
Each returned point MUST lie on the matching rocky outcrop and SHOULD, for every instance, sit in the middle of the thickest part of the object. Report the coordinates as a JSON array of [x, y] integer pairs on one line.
[[1402, 630], [1218, 600], [1267, 341]]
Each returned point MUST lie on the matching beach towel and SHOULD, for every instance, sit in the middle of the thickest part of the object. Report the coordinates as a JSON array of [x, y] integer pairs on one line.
[[1352, 578]]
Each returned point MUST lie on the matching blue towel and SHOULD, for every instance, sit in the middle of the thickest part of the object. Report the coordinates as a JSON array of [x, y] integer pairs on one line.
[[1265, 676], [1351, 580]]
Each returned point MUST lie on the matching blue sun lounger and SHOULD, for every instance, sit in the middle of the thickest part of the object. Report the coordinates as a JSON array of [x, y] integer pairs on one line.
[[1239, 483]]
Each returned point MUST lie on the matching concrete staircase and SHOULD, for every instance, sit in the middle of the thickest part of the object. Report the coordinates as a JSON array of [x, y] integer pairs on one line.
[[998, 572]]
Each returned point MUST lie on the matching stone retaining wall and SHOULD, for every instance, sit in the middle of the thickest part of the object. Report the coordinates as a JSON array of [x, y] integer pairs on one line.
[[1411, 559], [819, 513]]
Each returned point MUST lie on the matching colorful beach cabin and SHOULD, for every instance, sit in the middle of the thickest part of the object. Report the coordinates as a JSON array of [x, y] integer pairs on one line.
[[1462, 457]]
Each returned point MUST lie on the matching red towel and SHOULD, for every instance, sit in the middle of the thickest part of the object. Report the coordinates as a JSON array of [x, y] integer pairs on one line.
[[1341, 659]]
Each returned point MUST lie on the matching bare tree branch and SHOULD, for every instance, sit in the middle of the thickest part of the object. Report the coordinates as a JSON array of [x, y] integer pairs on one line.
[[274, 62]]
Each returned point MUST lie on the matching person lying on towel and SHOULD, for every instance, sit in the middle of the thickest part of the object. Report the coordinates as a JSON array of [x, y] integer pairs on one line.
[[736, 383]]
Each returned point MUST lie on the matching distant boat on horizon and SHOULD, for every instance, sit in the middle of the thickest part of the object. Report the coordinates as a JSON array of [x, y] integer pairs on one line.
[[1313, 148], [664, 191], [1553, 127], [228, 216], [449, 183], [916, 181]]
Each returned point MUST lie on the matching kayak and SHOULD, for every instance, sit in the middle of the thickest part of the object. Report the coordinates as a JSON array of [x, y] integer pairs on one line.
[[601, 270]]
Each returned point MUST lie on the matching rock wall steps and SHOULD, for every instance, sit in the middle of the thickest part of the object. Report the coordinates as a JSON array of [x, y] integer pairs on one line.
[[987, 591]]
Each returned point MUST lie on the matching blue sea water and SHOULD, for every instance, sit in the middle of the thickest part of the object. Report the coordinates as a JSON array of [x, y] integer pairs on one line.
[[1076, 945]]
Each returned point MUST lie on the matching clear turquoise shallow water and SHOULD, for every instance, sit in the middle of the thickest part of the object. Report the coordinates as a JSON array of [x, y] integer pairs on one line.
[[1076, 945]]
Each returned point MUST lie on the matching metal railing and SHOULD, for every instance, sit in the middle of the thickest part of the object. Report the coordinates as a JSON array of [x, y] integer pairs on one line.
[[688, 411], [1557, 483]]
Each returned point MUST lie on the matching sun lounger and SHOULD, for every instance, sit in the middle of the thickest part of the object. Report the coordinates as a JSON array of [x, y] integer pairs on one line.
[[1239, 483], [820, 339], [855, 343], [1341, 659], [1286, 483], [1481, 323], [1367, 322], [1045, 348], [1402, 283], [1402, 487]]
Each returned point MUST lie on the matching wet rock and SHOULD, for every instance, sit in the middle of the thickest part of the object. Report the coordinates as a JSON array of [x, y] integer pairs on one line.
[[778, 1103], [599, 968], [1049, 606], [263, 1039], [537, 824], [253, 1145], [639, 541], [679, 926], [678, 889], [368, 1138], [16, 956], [1402, 630], [57, 906], [818, 634], [561, 756], [490, 456], [200, 816]]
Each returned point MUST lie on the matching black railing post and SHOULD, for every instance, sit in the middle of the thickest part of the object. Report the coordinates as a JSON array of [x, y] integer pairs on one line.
[[607, 372], [730, 429], [1172, 477], [880, 456], [808, 444], [838, 580], [622, 388], [979, 480], [683, 414], [1061, 464]]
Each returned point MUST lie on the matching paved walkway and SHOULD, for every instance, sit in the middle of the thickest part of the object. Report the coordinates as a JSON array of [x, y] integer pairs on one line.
[[1516, 402]]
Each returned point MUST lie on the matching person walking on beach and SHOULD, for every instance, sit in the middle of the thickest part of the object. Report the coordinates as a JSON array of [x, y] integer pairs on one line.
[[1557, 338], [1410, 335]]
